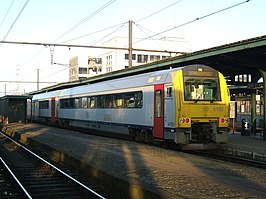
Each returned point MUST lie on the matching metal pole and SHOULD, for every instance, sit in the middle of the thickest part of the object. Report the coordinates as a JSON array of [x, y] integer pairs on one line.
[[38, 79], [263, 73], [253, 111], [130, 45]]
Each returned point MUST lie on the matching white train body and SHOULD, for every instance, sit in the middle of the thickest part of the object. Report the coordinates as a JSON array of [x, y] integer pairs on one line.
[[110, 117], [43, 107]]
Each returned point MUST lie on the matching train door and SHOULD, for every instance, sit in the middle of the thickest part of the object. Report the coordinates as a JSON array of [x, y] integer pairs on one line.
[[53, 110], [159, 111]]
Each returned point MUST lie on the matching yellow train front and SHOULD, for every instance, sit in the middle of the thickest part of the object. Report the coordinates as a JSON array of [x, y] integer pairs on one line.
[[202, 107]]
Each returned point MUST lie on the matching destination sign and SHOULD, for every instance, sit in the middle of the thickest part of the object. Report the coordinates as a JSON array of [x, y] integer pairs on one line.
[[200, 73]]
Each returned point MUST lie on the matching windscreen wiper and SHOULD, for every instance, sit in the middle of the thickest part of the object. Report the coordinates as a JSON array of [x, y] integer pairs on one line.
[[197, 100]]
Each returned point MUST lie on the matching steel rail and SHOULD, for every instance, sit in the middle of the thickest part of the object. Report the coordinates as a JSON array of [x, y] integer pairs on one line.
[[16, 179], [57, 169]]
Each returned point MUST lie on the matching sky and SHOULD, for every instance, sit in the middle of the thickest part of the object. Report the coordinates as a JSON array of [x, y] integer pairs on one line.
[[201, 24]]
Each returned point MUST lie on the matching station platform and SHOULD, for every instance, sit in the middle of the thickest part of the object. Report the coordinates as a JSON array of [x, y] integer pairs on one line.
[[251, 147], [140, 170]]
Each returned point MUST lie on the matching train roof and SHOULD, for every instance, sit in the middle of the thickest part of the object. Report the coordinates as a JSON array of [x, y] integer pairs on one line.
[[132, 80], [46, 95], [95, 79]]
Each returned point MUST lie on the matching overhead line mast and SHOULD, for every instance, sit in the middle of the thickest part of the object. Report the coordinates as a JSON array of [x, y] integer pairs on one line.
[[130, 45]]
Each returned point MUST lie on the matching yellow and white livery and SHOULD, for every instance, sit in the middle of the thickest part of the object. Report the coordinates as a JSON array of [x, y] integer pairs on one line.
[[187, 105]]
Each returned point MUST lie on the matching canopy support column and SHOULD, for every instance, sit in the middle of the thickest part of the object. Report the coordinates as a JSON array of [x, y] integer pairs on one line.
[[264, 103], [253, 111]]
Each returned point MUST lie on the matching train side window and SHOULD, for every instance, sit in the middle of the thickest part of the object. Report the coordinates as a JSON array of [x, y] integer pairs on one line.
[[76, 103], [44, 104], [91, 101], [129, 100], [118, 101], [64, 103], [158, 103], [107, 101], [60, 104], [139, 101], [133, 100], [98, 102], [71, 103], [169, 92], [84, 102]]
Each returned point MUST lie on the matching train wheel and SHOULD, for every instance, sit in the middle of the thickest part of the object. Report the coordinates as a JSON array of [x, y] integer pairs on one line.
[[148, 136], [132, 134]]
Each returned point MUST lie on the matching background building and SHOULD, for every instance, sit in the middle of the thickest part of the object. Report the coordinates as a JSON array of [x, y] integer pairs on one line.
[[81, 67], [119, 59]]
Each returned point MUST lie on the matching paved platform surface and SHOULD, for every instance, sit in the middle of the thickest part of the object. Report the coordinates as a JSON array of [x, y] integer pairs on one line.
[[144, 171], [250, 147]]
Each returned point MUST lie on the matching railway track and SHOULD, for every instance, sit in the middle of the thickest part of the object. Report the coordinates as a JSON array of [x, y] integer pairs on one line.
[[10, 187], [37, 177]]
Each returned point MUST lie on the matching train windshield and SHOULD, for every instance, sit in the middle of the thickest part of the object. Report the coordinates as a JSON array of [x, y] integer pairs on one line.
[[199, 89]]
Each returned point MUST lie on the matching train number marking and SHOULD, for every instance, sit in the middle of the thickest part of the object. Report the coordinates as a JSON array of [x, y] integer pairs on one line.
[[218, 109]]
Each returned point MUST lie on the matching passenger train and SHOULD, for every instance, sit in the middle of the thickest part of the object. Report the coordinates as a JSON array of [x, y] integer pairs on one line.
[[188, 106]]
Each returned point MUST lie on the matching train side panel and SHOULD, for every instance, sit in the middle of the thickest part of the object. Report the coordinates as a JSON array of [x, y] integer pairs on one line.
[[43, 108], [114, 119]]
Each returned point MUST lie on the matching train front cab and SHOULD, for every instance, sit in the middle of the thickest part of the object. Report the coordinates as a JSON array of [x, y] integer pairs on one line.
[[202, 107]]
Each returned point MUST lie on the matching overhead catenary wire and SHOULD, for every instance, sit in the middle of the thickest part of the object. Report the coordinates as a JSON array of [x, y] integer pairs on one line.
[[122, 24], [140, 20], [72, 28], [150, 15], [119, 28], [141, 28], [83, 46], [86, 19], [194, 20], [90, 16], [92, 33], [16, 19], [138, 26], [184, 23], [55, 73], [7, 13], [159, 11]]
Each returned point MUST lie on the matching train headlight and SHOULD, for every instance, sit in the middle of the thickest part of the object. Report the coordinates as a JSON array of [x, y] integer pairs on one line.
[[184, 120], [224, 120]]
